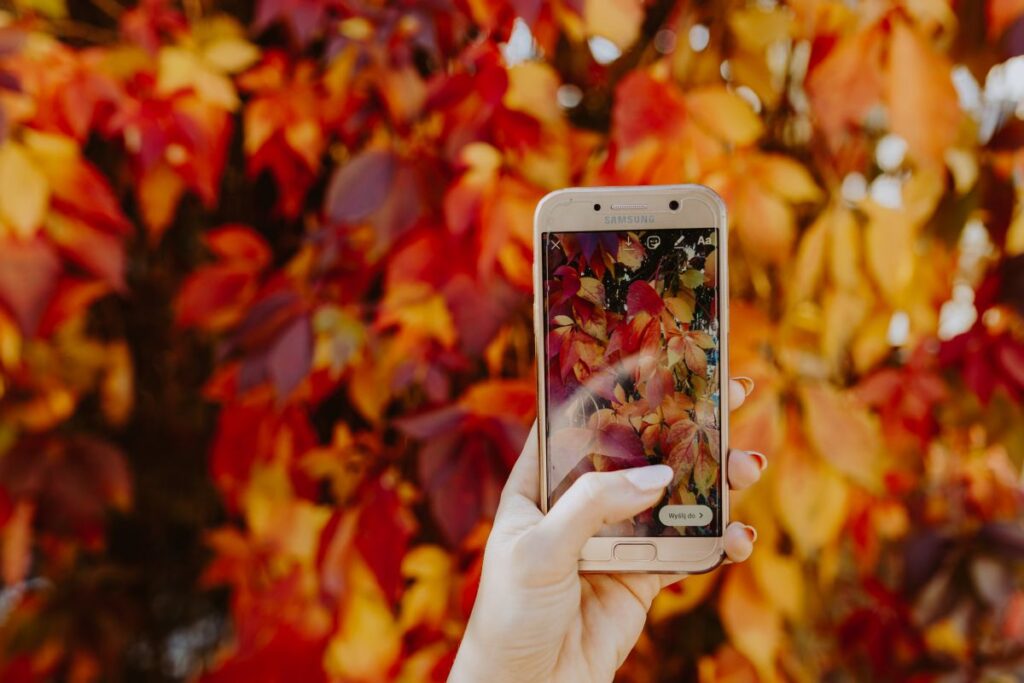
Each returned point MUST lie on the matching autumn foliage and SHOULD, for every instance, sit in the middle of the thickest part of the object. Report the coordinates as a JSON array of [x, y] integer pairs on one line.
[[265, 323]]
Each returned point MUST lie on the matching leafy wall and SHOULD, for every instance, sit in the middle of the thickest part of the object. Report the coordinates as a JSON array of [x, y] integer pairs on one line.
[[265, 335]]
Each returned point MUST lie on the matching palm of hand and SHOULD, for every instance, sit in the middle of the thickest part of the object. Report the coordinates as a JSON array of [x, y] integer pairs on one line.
[[568, 626], [536, 618]]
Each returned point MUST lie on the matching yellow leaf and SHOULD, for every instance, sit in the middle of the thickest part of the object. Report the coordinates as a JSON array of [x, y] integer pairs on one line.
[[368, 640], [181, 69], [418, 309], [889, 250], [927, 114], [844, 250], [54, 9], [755, 28], [932, 15], [532, 88], [871, 345], [1015, 235], [785, 177], [751, 69], [963, 165], [810, 498], [949, 636], [616, 20], [276, 518], [921, 194], [370, 388], [810, 260], [420, 665], [843, 433], [230, 54], [844, 312], [780, 577], [429, 568], [24, 191], [683, 596], [725, 114], [753, 625]]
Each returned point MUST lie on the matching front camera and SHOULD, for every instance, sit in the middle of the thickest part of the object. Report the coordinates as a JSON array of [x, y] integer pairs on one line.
[[674, 205]]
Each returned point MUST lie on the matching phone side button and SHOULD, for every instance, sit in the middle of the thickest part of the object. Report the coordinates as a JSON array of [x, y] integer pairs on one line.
[[639, 552]]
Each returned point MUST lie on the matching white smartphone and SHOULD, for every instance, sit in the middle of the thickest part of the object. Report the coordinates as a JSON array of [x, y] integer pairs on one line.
[[631, 321]]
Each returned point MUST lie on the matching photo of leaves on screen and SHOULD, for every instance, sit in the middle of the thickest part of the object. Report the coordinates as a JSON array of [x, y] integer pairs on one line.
[[632, 364]]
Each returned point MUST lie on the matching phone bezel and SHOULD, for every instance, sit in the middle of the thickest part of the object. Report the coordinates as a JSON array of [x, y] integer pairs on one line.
[[573, 210]]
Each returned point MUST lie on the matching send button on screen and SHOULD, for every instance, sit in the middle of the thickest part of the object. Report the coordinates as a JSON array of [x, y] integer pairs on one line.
[[685, 515]]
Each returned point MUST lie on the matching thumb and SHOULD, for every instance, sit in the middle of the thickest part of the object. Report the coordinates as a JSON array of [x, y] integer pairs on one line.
[[596, 499]]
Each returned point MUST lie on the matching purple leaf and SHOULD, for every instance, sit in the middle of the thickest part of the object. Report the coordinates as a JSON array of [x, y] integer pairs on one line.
[[291, 356], [619, 441], [359, 187]]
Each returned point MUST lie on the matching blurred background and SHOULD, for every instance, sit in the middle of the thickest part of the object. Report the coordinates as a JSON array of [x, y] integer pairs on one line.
[[265, 334]]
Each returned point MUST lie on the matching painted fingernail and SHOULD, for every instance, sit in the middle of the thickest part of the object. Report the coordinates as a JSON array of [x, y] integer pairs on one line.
[[762, 459], [751, 532], [650, 478], [748, 384]]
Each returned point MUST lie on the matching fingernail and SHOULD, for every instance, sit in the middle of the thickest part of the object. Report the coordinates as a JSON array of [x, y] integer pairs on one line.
[[751, 532], [650, 478], [762, 459], [748, 384]]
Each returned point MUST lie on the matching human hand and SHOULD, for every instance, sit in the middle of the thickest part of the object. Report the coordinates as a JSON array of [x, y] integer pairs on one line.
[[536, 618]]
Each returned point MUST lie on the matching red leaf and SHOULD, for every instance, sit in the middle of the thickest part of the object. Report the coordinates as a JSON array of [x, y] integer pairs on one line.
[[641, 296], [239, 244], [70, 298], [385, 528], [82, 191], [213, 297], [72, 482], [646, 108], [303, 16], [28, 278], [97, 252]]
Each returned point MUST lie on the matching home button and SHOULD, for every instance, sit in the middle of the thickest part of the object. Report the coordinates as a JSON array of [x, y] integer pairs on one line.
[[638, 552]]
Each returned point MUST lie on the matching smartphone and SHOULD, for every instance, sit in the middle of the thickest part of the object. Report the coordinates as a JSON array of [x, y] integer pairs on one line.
[[631, 321]]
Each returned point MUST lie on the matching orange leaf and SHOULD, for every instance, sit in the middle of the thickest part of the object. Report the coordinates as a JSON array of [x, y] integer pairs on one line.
[[17, 543], [928, 114], [617, 20], [753, 625], [1001, 15], [843, 433], [846, 84], [239, 244], [214, 297]]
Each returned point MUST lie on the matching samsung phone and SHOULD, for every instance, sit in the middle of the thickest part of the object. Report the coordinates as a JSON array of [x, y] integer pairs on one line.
[[631, 322]]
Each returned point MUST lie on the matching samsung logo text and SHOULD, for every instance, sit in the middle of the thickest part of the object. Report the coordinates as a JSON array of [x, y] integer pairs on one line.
[[627, 220]]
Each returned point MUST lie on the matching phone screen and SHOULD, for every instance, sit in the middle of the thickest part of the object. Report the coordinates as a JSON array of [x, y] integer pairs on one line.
[[632, 368]]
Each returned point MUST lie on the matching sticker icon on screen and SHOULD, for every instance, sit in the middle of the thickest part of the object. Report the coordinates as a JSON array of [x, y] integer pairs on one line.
[[685, 515], [653, 241]]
